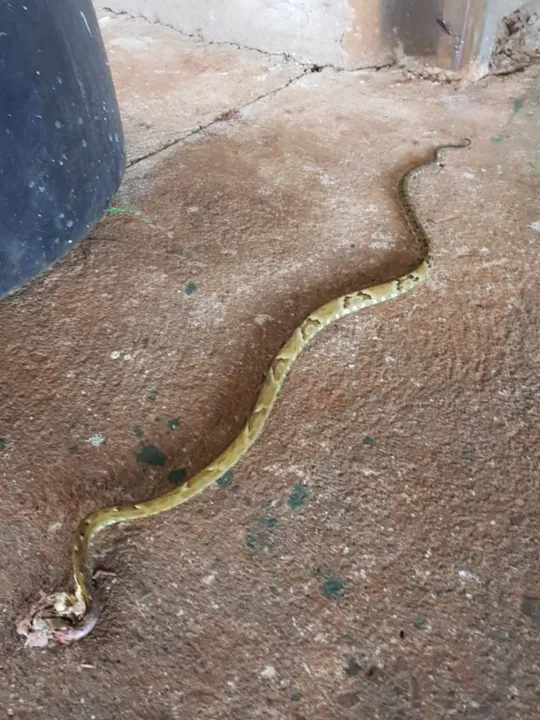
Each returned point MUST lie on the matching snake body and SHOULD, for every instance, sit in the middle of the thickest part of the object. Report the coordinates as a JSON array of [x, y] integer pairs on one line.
[[76, 615]]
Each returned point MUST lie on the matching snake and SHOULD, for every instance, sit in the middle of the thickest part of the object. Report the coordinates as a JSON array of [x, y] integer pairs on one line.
[[65, 618]]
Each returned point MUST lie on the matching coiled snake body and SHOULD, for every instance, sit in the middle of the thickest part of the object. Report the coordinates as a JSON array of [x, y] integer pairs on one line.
[[66, 618]]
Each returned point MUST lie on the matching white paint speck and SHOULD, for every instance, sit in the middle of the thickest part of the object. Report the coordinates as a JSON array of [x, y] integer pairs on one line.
[[466, 575], [115, 355], [96, 440], [86, 23], [325, 179], [31, 184], [69, 223], [380, 240], [484, 250], [536, 225], [268, 672], [468, 175], [193, 209], [209, 579], [54, 527]]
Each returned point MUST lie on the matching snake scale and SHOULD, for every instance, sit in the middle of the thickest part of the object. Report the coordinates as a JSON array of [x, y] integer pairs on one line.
[[65, 618]]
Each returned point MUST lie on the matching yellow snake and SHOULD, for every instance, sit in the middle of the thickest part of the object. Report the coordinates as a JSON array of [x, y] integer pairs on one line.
[[65, 618]]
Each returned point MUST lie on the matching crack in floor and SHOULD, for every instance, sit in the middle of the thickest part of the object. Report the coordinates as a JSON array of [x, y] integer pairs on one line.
[[230, 112], [306, 69], [313, 67]]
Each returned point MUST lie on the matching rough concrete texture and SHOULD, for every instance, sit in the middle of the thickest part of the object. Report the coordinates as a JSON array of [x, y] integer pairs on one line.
[[343, 33], [376, 554], [163, 98]]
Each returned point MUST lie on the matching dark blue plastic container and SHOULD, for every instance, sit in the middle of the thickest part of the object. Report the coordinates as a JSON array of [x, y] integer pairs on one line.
[[61, 144]]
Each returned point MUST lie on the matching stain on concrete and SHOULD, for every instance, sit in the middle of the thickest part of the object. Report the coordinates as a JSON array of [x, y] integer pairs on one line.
[[178, 476], [353, 669], [530, 606], [332, 587], [348, 700], [226, 479], [298, 496], [151, 455]]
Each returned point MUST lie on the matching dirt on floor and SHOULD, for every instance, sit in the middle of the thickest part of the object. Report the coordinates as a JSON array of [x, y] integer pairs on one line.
[[375, 555]]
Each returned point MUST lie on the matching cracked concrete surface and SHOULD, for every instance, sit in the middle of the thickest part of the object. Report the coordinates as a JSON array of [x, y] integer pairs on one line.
[[313, 31], [376, 554], [164, 100]]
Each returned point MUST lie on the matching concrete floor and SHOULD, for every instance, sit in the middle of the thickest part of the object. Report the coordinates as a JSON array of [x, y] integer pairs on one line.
[[376, 554]]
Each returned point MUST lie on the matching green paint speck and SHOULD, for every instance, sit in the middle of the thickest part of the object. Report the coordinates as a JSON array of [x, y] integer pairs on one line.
[[419, 622], [177, 477], [138, 432], [333, 588], [173, 424], [190, 288], [226, 479], [151, 395], [2, 443], [151, 455], [468, 455], [295, 696], [497, 139], [518, 104], [298, 496], [73, 449], [368, 441], [115, 210]]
